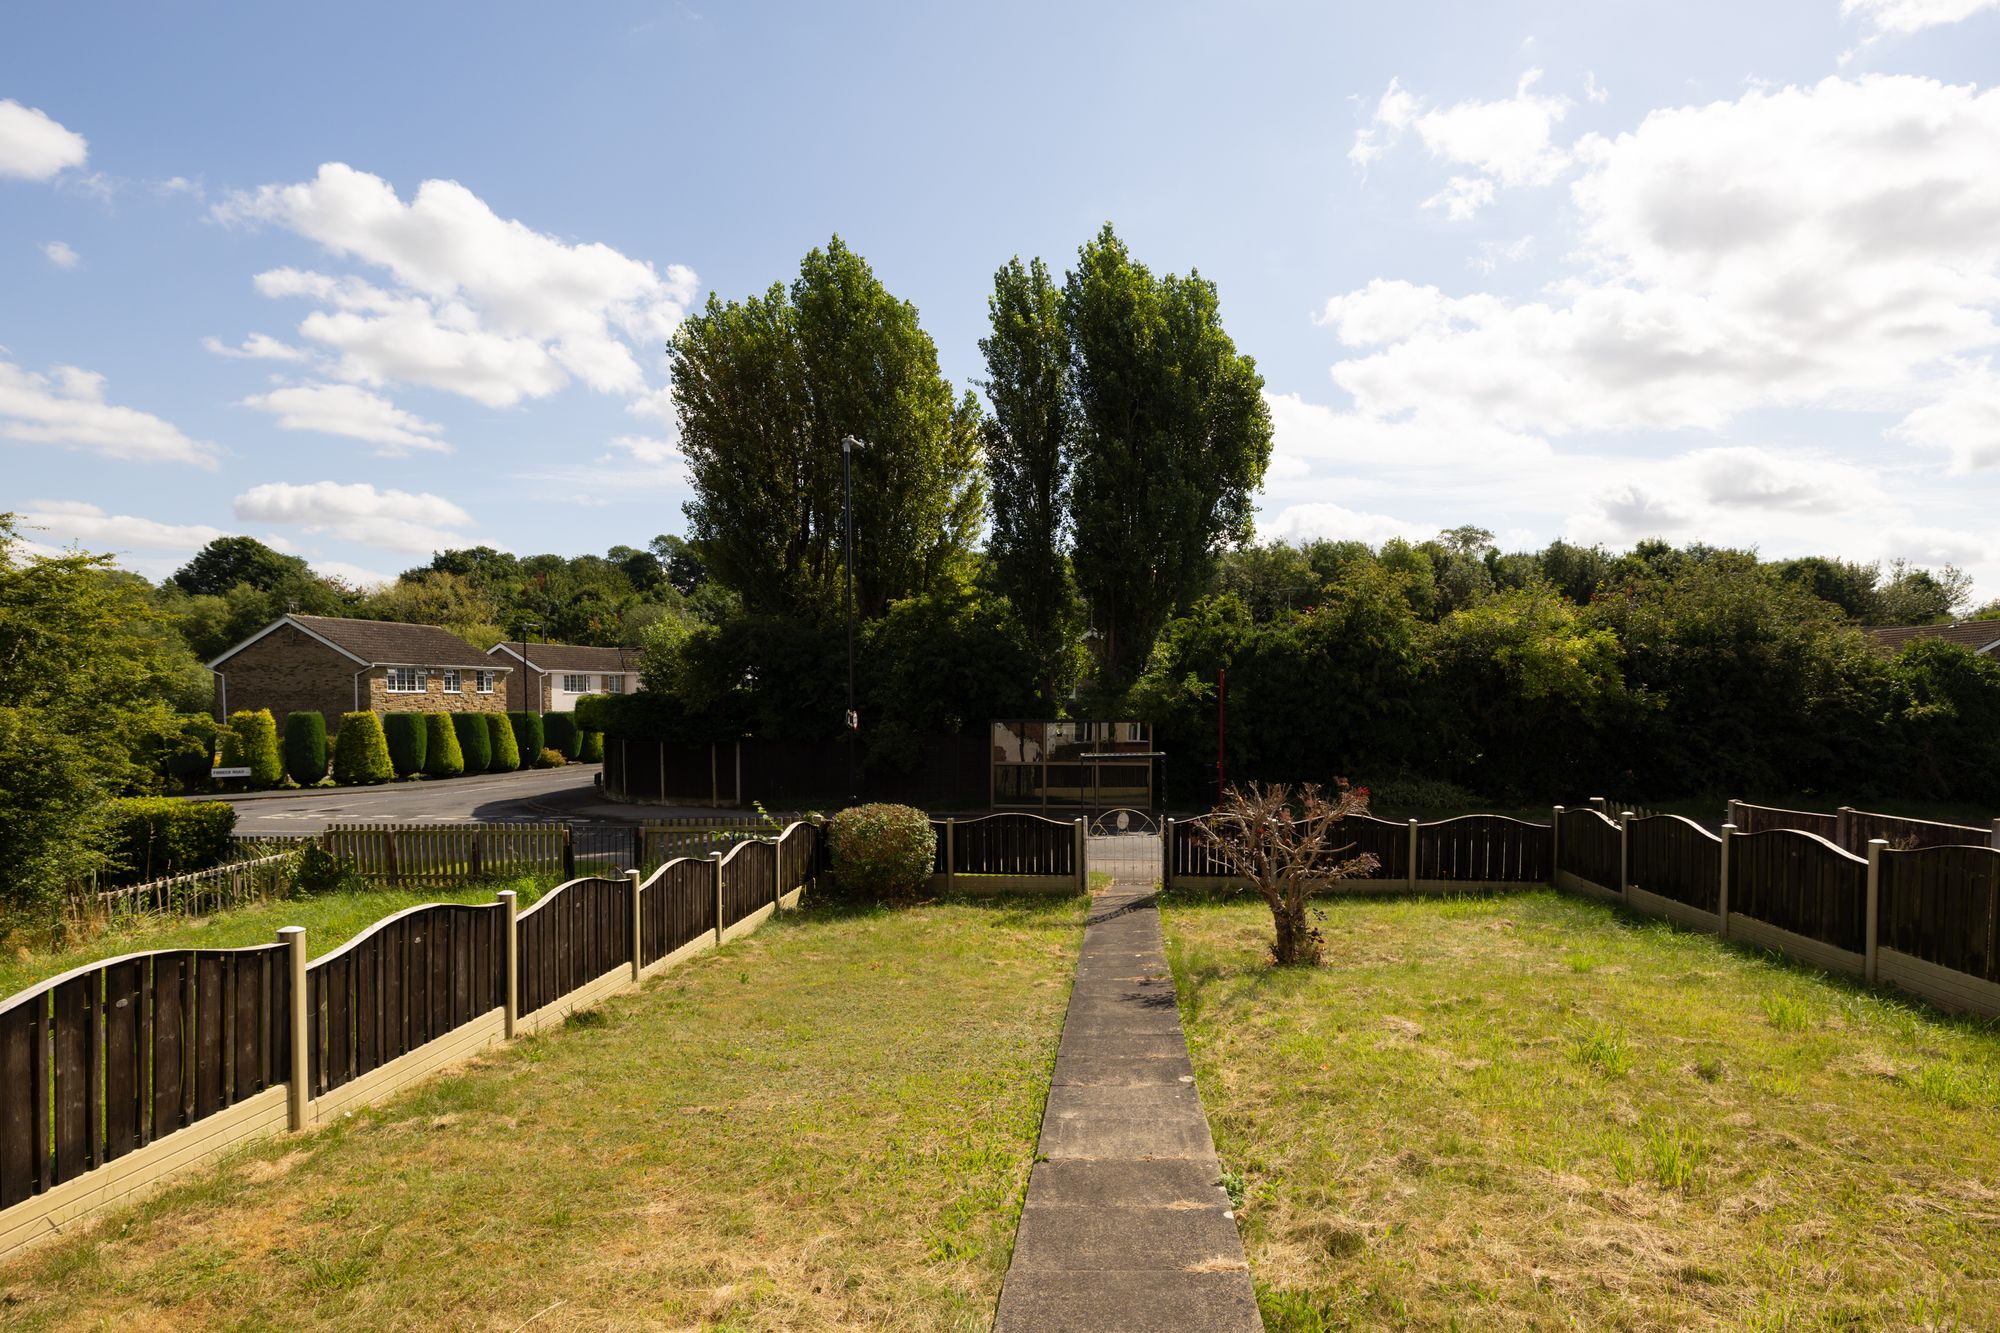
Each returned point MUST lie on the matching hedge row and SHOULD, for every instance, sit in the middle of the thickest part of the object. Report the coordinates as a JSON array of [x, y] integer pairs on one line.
[[445, 745], [150, 837]]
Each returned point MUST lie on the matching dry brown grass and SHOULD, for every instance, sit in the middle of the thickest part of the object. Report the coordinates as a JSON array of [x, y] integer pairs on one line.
[[828, 1124], [1532, 1112]]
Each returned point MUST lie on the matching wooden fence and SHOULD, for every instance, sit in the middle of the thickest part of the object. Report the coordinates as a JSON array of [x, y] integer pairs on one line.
[[441, 856], [1852, 830], [120, 1073], [1009, 853], [203, 891], [1450, 855]]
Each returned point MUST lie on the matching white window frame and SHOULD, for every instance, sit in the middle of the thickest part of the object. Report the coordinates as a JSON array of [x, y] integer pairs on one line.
[[614, 684], [483, 681], [452, 684], [417, 681], [576, 682]]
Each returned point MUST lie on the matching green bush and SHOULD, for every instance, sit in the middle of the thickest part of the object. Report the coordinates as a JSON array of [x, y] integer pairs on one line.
[[505, 755], [552, 759], [150, 837], [593, 747], [305, 746], [527, 734], [253, 741], [882, 852], [560, 732], [320, 871], [475, 741], [406, 733], [442, 757], [360, 751]]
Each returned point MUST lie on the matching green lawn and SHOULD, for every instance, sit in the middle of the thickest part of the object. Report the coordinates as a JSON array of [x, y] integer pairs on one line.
[[1532, 1111], [826, 1124], [330, 920]]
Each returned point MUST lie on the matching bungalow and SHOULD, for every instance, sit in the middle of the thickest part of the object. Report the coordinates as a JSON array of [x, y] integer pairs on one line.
[[334, 666], [553, 676], [1981, 636]]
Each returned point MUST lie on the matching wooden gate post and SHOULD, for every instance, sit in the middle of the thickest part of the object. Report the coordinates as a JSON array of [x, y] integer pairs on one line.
[[1624, 851], [715, 862], [510, 912], [294, 940], [1082, 857], [632, 879], [1722, 890], [1167, 855], [1876, 846], [950, 849], [1413, 856], [568, 852], [1556, 848]]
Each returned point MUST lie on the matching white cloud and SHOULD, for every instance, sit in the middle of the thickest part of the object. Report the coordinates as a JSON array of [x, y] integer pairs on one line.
[[1508, 142], [343, 409], [1492, 254], [34, 147], [90, 527], [1914, 15], [60, 254], [391, 519], [356, 576], [258, 346], [1304, 522], [1592, 92], [1964, 420], [1812, 246], [1393, 114], [1462, 197], [66, 407], [646, 449], [482, 305]]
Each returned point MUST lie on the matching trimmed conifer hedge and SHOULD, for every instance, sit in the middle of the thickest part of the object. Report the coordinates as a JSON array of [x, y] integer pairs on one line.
[[151, 837], [527, 735], [253, 741], [560, 732], [406, 733], [305, 746], [475, 741], [442, 757], [360, 751], [504, 755], [593, 747]]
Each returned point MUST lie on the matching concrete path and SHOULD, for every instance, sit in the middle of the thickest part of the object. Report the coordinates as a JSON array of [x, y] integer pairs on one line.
[[1126, 1225]]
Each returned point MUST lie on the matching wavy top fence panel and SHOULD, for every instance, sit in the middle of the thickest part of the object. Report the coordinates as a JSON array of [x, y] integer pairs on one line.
[[1008, 844], [1484, 849], [443, 855], [1802, 883], [1676, 858], [110, 1057], [1768, 818], [749, 880], [1942, 904], [1191, 853], [1858, 827], [1589, 848], [676, 907], [410, 979], [570, 937]]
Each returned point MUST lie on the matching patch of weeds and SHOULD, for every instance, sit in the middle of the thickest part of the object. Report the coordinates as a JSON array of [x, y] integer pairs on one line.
[[586, 1018], [1675, 1156], [1582, 963], [1233, 1184], [1604, 1051], [1788, 1013], [1297, 1310], [1950, 1084], [1709, 1068]]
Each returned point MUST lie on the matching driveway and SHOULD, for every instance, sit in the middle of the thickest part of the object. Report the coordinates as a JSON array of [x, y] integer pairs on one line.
[[547, 793]]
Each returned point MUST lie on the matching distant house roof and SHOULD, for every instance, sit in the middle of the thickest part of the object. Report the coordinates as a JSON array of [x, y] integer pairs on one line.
[[572, 657], [379, 642], [1981, 636]]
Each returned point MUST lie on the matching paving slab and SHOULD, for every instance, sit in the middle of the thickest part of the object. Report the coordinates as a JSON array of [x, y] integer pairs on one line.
[[1126, 1224]]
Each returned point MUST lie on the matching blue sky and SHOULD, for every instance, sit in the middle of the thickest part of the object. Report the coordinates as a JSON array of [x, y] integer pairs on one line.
[[363, 280]]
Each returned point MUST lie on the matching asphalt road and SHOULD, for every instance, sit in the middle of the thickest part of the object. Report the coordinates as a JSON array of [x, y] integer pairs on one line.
[[553, 793]]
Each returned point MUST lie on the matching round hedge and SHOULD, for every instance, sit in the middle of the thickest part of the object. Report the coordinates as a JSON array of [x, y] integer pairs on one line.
[[360, 752], [475, 742], [406, 734], [883, 852], [442, 757], [504, 755]]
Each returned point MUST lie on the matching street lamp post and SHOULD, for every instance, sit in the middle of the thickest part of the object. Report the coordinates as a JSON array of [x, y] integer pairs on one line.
[[528, 627], [847, 443]]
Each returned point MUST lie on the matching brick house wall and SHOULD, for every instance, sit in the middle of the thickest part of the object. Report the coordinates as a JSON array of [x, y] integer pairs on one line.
[[434, 699], [287, 671], [524, 684]]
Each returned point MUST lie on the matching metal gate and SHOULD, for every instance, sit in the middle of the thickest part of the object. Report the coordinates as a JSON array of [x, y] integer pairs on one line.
[[1128, 852]]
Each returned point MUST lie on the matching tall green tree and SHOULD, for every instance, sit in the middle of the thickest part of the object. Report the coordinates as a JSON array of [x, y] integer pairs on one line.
[[1029, 443], [1173, 438], [767, 388]]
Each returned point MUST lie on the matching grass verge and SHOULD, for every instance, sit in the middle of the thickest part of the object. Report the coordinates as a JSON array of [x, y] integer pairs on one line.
[[1531, 1111], [826, 1124], [330, 921]]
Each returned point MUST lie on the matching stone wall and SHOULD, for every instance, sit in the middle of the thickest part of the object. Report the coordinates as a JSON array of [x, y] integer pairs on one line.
[[288, 671], [466, 699]]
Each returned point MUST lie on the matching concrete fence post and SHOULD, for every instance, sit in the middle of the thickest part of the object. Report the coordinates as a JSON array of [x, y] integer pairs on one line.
[[715, 871], [1412, 877], [1624, 851], [510, 911], [1876, 846], [294, 940], [1082, 857], [632, 879], [1167, 853], [950, 849], [1556, 846], [1722, 889], [1996, 835], [1602, 806]]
